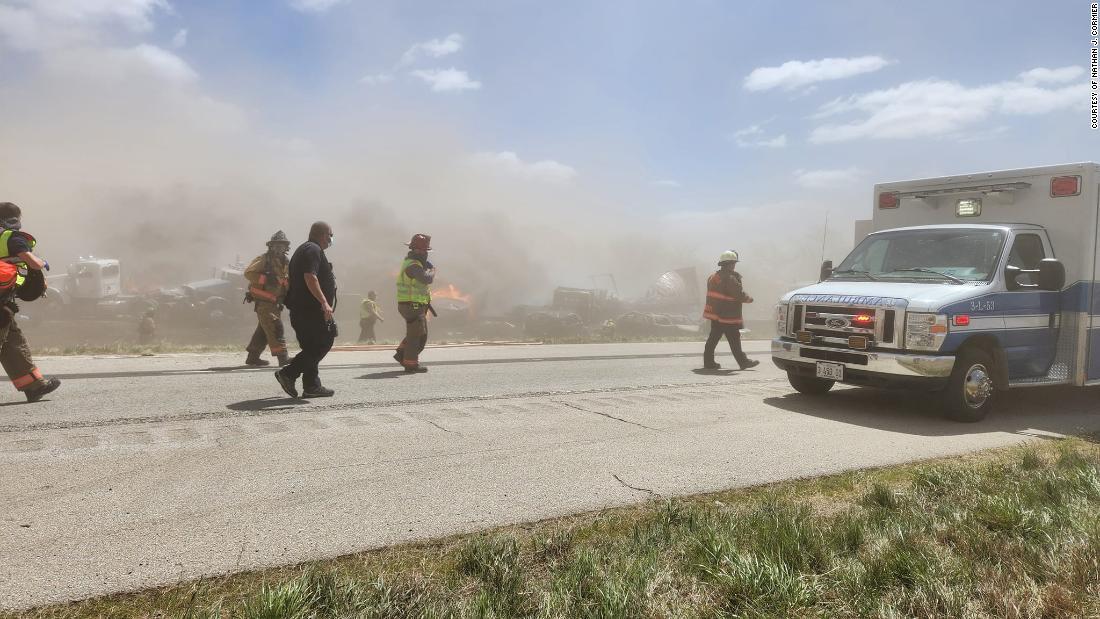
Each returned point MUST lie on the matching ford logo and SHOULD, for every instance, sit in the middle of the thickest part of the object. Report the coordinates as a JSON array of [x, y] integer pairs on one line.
[[837, 323]]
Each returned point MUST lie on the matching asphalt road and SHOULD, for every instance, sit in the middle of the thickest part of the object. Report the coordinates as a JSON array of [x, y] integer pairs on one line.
[[150, 470]]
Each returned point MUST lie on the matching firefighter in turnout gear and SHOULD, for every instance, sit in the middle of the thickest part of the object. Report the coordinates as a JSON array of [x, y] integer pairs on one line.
[[267, 279], [414, 301], [725, 296], [369, 313], [21, 277]]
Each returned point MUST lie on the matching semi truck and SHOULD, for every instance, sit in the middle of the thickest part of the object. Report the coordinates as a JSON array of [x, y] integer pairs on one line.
[[967, 285]]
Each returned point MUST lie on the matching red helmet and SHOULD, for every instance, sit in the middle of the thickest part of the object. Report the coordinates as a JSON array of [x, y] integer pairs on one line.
[[420, 242]]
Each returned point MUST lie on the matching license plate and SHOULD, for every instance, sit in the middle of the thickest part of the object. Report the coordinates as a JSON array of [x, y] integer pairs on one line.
[[830, 371]]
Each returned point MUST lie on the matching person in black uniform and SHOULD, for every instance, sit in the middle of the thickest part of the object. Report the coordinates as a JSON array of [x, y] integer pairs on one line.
[[311, 297], [17, 248]]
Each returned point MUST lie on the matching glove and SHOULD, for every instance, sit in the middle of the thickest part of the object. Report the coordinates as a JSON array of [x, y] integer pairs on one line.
[[332, 330], [46, 264]]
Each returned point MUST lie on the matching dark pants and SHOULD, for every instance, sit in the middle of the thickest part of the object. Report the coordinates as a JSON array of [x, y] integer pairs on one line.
[[733, 335], [15, 356], [416, 333], [315, 339], [366, 329]]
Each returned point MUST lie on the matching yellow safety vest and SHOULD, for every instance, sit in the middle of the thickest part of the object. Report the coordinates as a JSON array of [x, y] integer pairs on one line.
[[22, 266], [410, 290]]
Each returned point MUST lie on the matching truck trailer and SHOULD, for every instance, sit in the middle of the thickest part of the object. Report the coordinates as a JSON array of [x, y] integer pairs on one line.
[[968, 285]]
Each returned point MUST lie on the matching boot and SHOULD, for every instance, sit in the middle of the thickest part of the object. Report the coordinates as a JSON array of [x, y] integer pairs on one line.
[[399, 356], [283, 359], [711, 365], [255, 360], [749, 363], [416, 369], [319, 391], [47, 385]]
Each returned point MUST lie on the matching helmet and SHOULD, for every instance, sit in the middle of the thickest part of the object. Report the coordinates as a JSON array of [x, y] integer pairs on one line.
[[34, 286], [728, 256], [420, 242], [278, 237]]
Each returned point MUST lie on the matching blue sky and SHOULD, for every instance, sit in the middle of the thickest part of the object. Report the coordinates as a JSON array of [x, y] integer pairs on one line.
[[673, 110]]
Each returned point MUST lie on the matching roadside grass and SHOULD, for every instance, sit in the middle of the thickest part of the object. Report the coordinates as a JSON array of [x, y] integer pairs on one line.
[[1008, 533], [129, 348]]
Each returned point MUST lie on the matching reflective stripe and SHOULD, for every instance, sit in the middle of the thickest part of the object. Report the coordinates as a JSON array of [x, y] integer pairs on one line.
[[719, 296], [278, 350], [262, 294], [27, 380], [410, 290]]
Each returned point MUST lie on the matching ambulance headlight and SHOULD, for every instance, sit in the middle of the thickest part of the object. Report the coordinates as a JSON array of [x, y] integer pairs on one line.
[[780, 319], [925, 331]]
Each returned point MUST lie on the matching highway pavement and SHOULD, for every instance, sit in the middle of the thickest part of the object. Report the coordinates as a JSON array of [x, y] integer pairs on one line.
[[143, 471]]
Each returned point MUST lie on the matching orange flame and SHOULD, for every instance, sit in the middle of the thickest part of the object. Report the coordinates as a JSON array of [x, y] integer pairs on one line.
[[451, 292]]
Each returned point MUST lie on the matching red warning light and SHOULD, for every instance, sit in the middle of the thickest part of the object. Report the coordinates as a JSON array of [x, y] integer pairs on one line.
[[1062, 186], [863, 319], [960, 320]]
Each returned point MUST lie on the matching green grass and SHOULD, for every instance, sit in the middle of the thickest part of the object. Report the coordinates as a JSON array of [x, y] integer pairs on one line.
[[1008, 533]]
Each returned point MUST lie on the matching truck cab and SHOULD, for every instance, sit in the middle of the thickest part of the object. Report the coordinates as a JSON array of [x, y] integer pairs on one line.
[[966, 285]]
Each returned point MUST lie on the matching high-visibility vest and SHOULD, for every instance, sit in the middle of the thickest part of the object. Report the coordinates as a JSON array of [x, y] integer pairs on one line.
[[20, 274], [410, 290]]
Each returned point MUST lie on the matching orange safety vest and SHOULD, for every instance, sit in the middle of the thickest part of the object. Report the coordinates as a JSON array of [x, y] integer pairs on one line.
[[724, 299]]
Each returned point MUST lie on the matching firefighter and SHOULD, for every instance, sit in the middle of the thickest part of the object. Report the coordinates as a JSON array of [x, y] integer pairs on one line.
[[369, 313], [147, 327], [414, 301], [27, 283], [725, 295], [267, 277]]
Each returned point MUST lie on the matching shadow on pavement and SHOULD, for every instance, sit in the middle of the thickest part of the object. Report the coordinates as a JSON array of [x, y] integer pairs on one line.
[[1062, 410], [719, 372], [267, 404], [238, 368], [377, 375]]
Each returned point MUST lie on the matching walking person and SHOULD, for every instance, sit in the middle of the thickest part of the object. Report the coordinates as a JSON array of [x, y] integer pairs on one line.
[[369, 313], [311, 297], [21, 277], [414, 301], [268, 277], [725, 296]]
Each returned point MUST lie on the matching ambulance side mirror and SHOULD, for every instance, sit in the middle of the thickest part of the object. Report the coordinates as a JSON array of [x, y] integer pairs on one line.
[[1052, 274], [826, 270]]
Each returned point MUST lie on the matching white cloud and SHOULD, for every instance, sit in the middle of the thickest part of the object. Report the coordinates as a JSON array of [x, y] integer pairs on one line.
[[797, 74], [313, 6], [447, 80], [49, 24], [1053, 76], [180, 40], [829, 179], [377, 79], [752, 137], [115, 65], [509, 163], [669, 183], [941, 108], [435, 48]]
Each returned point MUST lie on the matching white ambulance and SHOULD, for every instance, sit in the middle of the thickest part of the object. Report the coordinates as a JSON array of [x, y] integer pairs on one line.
[[968, 285]]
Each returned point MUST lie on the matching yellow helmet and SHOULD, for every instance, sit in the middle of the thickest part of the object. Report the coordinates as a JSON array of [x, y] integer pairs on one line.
[[728, 256]]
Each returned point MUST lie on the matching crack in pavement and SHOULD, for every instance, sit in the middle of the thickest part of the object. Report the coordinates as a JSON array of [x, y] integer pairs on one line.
[[651, 493], [609, 416], [429, 421]]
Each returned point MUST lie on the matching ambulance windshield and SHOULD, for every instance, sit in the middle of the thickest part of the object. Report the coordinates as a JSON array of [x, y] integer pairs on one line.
[[951, 256]]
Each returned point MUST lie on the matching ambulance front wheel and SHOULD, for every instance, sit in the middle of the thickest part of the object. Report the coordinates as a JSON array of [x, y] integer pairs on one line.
[[968, 396]]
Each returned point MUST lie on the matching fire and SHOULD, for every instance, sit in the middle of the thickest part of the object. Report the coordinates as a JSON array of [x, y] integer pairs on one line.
[[451, 292]]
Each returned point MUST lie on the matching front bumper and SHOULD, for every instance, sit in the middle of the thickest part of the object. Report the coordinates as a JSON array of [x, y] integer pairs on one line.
[[866, 368]]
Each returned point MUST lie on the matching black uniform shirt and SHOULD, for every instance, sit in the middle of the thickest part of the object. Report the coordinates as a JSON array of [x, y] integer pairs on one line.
[[310, 258]]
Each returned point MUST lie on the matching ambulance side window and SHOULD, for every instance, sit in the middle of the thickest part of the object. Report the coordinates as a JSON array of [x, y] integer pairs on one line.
[[1027, 251]]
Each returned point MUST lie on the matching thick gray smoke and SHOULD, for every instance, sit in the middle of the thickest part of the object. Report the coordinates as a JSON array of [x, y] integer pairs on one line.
[[124, 152]]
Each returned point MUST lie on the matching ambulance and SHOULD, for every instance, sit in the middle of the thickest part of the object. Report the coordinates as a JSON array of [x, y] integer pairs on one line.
[[966, 285]]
